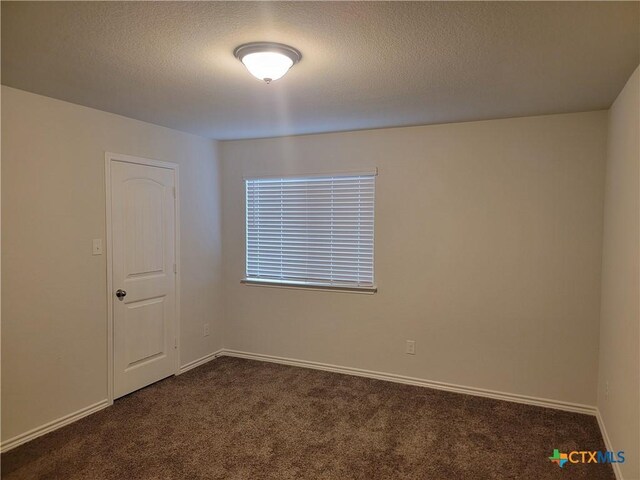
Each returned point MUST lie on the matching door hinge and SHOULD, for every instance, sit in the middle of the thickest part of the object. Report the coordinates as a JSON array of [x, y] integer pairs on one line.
[[174, 192], [175, 268], [175, 343]]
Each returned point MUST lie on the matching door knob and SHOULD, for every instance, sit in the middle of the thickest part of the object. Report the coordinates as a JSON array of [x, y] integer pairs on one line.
[[120, 294]]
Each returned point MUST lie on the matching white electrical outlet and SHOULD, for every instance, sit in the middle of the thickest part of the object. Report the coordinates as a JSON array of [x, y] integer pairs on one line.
[[205, 330], [411, 347]]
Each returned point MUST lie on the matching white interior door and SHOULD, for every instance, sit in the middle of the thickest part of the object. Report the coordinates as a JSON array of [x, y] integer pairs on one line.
[[143, 233]]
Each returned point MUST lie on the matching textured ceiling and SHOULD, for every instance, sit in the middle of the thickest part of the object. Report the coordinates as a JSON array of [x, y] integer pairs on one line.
[[365, 65]]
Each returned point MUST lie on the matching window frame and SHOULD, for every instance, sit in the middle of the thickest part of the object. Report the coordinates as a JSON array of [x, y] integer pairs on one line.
[[304, 284]]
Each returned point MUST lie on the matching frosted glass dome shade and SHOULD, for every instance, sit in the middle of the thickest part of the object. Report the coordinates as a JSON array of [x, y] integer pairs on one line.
[[267, 61]]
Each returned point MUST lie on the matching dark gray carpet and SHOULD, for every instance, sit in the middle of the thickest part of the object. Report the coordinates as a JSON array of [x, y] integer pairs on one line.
[[241, 419]]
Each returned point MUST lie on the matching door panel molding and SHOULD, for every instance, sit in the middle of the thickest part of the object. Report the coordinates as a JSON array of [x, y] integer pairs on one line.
[[111, 157]]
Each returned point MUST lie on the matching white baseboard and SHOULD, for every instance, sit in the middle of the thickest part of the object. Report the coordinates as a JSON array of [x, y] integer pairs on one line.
[[53, 425], [200, 361], [391, 377], [609, 446]]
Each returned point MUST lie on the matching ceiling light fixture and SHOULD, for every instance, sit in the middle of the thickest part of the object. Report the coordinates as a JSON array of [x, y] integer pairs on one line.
[[267, 61]]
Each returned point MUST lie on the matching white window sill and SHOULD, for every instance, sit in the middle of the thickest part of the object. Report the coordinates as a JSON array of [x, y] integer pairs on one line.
[[253, 282]]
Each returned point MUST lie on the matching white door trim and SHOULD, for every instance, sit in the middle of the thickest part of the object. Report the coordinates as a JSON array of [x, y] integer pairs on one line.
[[110, 157]]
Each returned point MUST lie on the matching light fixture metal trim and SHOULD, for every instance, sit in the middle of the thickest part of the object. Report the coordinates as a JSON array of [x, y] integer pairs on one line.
[[254, 47], [267, 47]]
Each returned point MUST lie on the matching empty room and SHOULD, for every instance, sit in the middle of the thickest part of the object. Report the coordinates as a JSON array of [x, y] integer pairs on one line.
[[320, 240]]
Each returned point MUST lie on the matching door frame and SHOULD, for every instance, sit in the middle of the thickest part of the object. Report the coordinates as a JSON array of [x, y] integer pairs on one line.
[[109, 158]]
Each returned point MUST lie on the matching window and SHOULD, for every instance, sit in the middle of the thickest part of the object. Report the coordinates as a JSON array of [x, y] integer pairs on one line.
[[311, 231]]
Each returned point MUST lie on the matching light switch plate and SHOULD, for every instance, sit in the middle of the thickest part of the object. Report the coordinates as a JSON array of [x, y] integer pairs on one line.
[[97, 246]]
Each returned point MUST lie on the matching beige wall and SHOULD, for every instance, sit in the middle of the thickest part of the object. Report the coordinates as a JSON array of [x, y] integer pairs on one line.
[[54, 309], [487, 254], [620, 317]]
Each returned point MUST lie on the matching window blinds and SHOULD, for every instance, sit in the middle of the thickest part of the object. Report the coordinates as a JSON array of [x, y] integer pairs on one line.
[[311, 230]]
